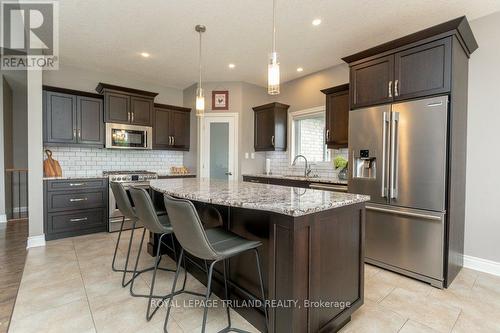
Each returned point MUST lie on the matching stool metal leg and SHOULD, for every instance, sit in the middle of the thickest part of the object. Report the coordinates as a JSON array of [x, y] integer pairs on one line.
[[150, 315], [226, 294], [171, 298], [124, 284], [209, 288], [116, 247]]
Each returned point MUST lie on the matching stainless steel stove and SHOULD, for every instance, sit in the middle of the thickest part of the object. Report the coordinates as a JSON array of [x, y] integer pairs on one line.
[[139, 178]]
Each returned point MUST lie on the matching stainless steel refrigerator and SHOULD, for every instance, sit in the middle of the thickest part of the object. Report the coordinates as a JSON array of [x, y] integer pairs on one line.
[[398, 156]]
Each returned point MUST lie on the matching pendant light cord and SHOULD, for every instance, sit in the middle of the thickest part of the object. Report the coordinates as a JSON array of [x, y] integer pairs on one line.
[[200, 60], [274, 26]]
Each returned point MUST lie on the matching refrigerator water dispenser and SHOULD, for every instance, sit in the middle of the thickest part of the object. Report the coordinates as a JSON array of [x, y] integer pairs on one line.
[[365, 165]]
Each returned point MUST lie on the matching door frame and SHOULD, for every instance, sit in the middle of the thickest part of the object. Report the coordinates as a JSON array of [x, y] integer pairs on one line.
[[233, 119]]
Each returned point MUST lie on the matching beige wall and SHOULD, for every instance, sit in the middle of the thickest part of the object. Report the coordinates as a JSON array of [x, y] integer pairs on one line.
[[87, 80], [242, 96], [482, 220]]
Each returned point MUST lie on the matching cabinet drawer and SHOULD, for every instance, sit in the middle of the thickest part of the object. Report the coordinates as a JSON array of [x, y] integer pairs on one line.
[[76, 184], [76, 220], [76, 200]]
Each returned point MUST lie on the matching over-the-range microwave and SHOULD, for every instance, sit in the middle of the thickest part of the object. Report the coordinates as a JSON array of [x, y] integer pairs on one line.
[[123, 136]]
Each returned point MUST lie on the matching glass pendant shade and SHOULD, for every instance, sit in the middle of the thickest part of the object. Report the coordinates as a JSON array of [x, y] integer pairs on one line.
[[200, 102], [273, 75]]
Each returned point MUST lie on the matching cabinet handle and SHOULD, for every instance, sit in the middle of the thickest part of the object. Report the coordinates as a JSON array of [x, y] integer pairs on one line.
[[396, 90], [77, 184], [133, 116], [79, 133], [390, 89], [272, 140], [327, 135], [128, 116], [78, 199], [78, 220], [169, 140], [173, 140], [74, 133]]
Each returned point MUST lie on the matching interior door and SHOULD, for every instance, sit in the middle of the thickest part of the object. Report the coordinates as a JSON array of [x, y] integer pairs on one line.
[[368, 135], [418, 153], [219, 157]]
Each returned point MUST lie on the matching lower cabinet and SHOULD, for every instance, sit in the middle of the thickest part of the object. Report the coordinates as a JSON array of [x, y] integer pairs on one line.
[[75, 207]]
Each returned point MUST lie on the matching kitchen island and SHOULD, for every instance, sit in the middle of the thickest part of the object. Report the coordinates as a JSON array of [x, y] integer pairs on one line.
[[312, 253]]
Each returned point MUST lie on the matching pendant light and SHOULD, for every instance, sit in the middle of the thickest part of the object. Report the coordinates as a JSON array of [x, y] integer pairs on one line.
[[273, 67], [200, 96]]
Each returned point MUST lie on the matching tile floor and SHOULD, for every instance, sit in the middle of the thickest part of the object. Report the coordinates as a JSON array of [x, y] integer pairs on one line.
[[68, 286]]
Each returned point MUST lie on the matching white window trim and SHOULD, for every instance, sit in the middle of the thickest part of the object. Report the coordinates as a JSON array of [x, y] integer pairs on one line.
[[291, 138]]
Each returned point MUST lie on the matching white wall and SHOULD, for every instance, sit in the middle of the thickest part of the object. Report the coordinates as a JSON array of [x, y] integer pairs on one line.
[[482, 219], [87, 80]]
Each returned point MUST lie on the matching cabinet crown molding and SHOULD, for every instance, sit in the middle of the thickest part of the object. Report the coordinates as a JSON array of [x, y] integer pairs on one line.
[[101, 87]]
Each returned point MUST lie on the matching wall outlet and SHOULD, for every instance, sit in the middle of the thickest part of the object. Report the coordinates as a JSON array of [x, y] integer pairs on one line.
[[252, 156], [246, 156]]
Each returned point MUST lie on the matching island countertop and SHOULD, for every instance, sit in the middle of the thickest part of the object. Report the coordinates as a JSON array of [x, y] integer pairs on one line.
[[284, 200]]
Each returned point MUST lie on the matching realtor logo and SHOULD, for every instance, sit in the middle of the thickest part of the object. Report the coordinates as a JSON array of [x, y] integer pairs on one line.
[[29, 37]]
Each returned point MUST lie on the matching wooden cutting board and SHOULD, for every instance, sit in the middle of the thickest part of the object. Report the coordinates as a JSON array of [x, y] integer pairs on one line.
[[51, 167]]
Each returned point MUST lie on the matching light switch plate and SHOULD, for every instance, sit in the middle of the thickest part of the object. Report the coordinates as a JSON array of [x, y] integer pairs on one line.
[[252, 156], [246, 156]]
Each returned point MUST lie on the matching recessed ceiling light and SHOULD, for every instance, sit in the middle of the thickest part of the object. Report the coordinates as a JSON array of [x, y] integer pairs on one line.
[[145, 54], [231, 66], [300, 69], [316, 21]]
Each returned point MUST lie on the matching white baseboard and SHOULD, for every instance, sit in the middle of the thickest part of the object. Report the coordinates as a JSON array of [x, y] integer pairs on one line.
[[35, 241], [3, 218], [482, 265]]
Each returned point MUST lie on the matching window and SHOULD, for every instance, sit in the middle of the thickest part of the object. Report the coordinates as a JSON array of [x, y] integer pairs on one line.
[[309, 136]]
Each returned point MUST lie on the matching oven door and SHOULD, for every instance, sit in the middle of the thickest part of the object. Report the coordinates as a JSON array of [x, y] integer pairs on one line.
[[115, 215], [128, 136]]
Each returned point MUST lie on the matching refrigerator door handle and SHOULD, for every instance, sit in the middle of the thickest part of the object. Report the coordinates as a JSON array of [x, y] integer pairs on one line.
[[403, 213], [394, 151], [384, 147]]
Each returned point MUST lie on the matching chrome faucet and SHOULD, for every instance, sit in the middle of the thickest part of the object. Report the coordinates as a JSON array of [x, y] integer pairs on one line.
[[307, 170]]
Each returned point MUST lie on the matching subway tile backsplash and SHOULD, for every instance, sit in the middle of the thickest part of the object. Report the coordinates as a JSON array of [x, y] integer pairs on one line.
[[280, 164], [76, 161]]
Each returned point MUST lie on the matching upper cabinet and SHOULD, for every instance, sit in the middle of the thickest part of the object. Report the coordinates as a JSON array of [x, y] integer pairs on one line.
[[171, 128], [337, 116], [72, 118], [270, 127], [413, 66], [127, 106]]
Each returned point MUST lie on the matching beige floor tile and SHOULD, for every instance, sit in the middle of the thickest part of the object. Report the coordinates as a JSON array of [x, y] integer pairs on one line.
[[53, 273], [468, 323], [73, 317], [372, 317], [31, 300], [371, 270], [412, 326], [437, 315], [380, 284]]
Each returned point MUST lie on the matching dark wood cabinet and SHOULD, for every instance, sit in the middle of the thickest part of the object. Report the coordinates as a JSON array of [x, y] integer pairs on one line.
[[59, 118], [72, 117], [419, 71], [422, 71], [117, 108], [270, 127], [126, 105], [337, 116], [90, 125], [75, 207], [371, 82], [171, 129]]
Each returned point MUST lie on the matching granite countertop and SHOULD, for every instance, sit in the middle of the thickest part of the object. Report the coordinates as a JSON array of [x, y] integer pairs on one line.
[[285, 200], [334, 181], [74, 177]]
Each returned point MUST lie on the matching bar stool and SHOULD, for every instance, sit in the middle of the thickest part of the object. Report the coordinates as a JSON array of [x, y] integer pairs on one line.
[[145, 211], [214, 244]]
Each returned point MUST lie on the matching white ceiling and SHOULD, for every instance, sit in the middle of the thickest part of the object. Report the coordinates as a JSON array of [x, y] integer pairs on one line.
[[109, 35]]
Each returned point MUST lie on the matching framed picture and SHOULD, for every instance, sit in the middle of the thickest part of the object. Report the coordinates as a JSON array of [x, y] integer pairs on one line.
[[220, 100]]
